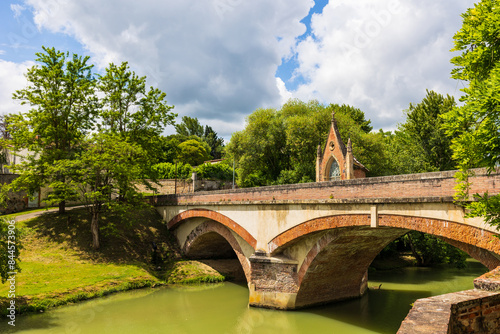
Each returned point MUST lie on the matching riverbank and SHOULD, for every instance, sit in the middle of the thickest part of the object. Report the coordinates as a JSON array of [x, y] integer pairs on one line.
[[60, 267]]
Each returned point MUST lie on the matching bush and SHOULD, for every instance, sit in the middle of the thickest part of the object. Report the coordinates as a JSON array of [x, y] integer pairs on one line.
[[167, 170], [219, 171]]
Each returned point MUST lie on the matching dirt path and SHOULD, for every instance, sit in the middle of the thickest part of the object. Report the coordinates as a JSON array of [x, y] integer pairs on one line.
[[30, 215]]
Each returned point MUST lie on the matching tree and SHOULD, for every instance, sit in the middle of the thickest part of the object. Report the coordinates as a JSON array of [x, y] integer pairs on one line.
[[280, 146], [357, 116], [106, 167], [61, 93], [475, 126], [420, 143], [214, 141], [424, 125], [128, 109], [192, 152], [189, 127]]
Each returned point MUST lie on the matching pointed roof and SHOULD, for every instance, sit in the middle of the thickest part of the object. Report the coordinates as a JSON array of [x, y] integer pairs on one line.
[[335, 129]]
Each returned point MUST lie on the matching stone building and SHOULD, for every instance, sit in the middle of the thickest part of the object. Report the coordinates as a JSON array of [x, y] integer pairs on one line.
[[336, 162]]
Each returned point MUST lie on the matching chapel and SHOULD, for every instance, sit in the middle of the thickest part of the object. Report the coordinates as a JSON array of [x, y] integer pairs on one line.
[[336, 161]]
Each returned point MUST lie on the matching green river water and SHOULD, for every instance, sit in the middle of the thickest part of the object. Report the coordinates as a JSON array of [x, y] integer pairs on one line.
[[223, 308]]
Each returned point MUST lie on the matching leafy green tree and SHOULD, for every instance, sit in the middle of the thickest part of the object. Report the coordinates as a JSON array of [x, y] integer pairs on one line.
[[429, 250], [107, 167], [218, 171], [189, 127], [420, 143], [192, 152], [138, 115], [61, 93], [424, 125], [215, 142], [10, 245], [260, 148], [356, 115], [280, 146], [475, 125]]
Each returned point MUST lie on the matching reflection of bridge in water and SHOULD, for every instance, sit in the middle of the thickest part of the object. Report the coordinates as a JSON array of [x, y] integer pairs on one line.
[[307, 244]]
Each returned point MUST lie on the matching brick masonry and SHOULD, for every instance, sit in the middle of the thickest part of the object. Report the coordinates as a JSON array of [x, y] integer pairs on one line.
[[437, 186], [213, 215], [471, 311], [209, 227]]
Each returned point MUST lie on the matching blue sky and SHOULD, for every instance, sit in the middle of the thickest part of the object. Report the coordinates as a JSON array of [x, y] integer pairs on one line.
[[219, 60]]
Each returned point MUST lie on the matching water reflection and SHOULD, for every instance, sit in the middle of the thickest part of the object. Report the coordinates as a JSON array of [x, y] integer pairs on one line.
[[222, 308]]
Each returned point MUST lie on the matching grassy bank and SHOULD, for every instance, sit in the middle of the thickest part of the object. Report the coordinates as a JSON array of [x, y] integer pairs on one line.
[[59, 265]]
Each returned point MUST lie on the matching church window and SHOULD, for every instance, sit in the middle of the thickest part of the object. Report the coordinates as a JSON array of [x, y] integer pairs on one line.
[[334, 170]]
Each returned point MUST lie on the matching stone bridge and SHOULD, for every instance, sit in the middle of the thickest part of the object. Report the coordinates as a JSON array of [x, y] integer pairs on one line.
[[307, 244]]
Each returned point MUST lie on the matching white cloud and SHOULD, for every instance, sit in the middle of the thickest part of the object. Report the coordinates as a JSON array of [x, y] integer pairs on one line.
[[214, 59], [17, 9], [11, 79], [380, 55]]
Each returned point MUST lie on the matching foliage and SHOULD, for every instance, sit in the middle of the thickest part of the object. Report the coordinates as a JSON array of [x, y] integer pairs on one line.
[[424, 125], [475, 126], [106, 167], [420, 144], [218, 171], [356, 115], [192, 152], [10, 245], [167, 170], [280, 146], [430, 250], [128, 109], [214, 141], [189, 127], [68, 103], [61, 93]]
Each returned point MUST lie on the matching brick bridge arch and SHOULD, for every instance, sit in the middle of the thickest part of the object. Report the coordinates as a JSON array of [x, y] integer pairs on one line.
[[210, 238], [345, 245], [215, 216]]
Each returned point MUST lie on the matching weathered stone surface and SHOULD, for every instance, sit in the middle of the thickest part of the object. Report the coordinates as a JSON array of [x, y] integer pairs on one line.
[[471, 311], [489, 281]]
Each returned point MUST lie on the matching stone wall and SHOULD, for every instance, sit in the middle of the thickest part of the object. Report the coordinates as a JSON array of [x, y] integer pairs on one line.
[[471, 311], [171, 186]]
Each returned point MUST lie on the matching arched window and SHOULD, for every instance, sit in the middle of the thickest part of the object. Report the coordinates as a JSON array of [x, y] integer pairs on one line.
[[334, 170]]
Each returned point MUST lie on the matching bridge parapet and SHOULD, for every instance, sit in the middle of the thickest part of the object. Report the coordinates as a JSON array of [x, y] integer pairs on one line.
[[436, 186]]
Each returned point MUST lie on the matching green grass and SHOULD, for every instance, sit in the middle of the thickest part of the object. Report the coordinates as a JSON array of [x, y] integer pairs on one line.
[[189, 272], [59, 266]]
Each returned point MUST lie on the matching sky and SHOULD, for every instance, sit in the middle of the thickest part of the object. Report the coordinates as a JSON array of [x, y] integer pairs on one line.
[[220, 60]]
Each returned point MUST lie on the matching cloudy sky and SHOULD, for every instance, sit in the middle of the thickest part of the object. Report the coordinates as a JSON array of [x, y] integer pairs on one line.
[[219, 60]]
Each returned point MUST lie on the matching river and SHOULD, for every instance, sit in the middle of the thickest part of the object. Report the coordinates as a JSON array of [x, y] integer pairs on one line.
[[223, 308]]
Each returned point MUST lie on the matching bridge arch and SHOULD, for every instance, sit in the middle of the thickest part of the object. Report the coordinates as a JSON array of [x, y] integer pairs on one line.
[[215, 216], [344, 246], [211, 239]]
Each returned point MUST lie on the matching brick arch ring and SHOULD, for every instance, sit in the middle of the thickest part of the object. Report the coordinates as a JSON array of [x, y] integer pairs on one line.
[[214, 227], [215, 216], [477, 242]]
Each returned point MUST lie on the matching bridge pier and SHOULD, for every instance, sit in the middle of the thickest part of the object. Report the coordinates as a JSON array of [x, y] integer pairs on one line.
[[273, 282]]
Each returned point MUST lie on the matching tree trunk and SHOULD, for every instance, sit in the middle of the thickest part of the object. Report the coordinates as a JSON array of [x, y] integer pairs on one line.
[[420, 262], [94, 228], [62, 207]]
